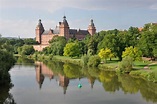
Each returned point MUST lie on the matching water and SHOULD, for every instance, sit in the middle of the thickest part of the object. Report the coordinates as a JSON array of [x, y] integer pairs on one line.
[[57, 83]]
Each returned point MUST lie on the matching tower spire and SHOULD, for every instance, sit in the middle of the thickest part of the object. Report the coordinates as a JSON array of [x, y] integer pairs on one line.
[[91, 27], [39, 30]]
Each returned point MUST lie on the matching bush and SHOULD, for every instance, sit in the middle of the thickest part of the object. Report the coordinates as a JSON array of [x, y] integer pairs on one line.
[[152, 76], [84, 60], [94, 61], [125, 65], [26, 50]]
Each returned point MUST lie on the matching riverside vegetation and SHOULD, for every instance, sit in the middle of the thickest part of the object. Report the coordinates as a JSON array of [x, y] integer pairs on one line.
[[113, 50]]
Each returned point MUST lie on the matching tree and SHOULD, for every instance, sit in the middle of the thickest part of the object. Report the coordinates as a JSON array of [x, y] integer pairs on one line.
[[26, 50], [105, 53], [92, 46], [125, 65], [6, 62], [148, 42], [133, 35], [30, 41], [133, 52], [57, 45], [114, 42], [72, 50]]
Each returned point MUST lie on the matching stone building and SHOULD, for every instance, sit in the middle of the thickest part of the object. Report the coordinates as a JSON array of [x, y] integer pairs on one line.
[[44, 36]]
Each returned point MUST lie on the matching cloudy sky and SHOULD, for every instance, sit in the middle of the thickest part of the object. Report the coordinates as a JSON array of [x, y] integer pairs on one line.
[[18, 18]]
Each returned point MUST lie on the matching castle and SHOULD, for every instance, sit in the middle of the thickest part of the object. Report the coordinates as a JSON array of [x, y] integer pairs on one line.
[[44, 36]]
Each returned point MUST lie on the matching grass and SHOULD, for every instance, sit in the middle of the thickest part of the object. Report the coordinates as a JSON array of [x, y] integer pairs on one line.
[[140, 64], [110, 64], [74, 60], [153, 66], [149, 73]]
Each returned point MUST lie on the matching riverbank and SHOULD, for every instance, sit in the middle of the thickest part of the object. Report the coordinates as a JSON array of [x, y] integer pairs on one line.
[[142, 69]]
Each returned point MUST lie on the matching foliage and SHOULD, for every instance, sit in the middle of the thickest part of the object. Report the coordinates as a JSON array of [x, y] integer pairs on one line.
[[72, 50], [26, 50], [56, 47], [71, 71], [84, 60], [125, 65], [105, 53], [93, 61], [6, 62], [150, 76], [133, 52], [30, 41], [92, 46], [148, 40], [12, 44]]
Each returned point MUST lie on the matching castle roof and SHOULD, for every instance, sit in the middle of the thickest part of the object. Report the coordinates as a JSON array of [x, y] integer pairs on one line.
[[78, 32], [50, 31]]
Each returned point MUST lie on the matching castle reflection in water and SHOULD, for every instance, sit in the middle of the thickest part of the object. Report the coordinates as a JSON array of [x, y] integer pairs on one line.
[[42, 72]]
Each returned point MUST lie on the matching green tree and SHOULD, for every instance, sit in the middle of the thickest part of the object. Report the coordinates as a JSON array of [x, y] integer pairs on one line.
[[30, 41], [57, 45], [6, 62], [115, 42], [26, 50], [92, 46], [72, 50], [105, 53], [147, 43], [133, 52]]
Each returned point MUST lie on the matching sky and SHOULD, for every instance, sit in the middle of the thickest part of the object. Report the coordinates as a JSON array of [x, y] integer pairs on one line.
[[18, 18]]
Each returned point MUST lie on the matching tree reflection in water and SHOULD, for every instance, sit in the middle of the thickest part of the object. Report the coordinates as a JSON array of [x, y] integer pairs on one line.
[[111, 82], [5, 96]]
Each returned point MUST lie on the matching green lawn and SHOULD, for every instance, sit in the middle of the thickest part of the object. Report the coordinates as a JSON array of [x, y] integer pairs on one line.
[[140, 64], [68, 59], [111, 64], [153, 66]]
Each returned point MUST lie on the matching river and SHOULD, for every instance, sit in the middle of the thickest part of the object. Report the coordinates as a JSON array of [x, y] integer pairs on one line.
[[59, 83]]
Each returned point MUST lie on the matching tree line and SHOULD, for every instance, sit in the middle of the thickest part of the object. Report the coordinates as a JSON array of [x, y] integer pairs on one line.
[[141, 43]]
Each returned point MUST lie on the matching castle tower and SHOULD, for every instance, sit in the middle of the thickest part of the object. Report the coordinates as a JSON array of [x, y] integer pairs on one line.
[[39, 30], [64, 28], [91, 28]]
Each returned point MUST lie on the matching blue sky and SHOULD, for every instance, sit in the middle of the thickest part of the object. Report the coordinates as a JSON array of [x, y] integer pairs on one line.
[[20, 17]]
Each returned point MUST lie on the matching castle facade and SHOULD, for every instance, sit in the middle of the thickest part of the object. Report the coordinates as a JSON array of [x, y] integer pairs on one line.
[[44, 36]]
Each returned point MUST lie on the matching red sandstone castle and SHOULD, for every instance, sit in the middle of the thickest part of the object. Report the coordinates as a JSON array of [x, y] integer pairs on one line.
[[44, 36]]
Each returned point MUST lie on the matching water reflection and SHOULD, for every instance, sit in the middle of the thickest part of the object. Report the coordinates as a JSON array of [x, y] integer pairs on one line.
[[5, 96], [43, 71], [111, 82]]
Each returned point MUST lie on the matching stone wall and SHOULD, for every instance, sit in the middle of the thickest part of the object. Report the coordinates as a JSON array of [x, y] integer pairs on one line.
[[40, 47]]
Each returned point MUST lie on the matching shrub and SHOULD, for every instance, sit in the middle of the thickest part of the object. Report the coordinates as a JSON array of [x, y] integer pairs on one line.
[[125, 65], [94, 61], [152, 76], [84, 60], [50, 56]]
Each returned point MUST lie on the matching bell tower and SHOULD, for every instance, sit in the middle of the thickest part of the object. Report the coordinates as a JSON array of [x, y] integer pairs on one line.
[[91, 28], [39, 30], [64, 28]]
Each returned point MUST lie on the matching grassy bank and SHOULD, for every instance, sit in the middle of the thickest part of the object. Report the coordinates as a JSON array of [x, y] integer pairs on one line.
[[143, 69], [146, 70]]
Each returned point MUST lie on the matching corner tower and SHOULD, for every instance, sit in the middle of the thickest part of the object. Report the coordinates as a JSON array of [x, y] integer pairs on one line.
[[91, 28], [64, 28], [39, 30]]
